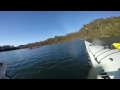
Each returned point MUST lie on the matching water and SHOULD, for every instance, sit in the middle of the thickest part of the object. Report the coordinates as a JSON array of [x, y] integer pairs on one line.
[[58, 61]]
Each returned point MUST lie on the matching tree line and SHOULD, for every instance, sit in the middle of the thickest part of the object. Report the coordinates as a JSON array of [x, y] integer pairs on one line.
[[8, 48]]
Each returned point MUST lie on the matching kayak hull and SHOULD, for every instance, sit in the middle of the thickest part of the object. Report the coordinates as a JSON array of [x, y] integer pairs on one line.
[[108, 59]]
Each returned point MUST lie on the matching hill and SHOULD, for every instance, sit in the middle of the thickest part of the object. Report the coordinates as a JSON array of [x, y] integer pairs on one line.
[[102, 27]]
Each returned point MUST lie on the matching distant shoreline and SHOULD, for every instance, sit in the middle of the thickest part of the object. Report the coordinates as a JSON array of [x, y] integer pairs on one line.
[[109, 39], [9, 49]]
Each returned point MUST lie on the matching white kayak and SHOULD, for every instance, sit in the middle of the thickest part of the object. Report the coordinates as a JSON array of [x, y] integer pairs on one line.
[[108, 59]]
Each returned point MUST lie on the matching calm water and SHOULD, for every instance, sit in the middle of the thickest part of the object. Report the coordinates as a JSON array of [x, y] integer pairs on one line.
[[57, 61]]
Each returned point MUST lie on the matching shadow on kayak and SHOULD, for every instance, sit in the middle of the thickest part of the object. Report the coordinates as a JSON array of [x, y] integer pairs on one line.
[[98, 73]]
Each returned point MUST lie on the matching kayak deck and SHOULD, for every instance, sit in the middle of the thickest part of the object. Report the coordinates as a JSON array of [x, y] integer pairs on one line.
[[108, 59]]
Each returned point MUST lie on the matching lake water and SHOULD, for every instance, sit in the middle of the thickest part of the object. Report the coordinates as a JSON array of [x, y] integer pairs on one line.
[[58, 61]]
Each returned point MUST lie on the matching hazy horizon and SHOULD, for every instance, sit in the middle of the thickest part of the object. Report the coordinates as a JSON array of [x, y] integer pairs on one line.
[[22, 27]]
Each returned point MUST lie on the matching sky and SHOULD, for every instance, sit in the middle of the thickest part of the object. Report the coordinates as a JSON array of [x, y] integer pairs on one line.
[[22, 27]]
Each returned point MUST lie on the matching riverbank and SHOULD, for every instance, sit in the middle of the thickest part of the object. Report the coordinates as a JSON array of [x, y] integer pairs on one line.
[[8, 49]]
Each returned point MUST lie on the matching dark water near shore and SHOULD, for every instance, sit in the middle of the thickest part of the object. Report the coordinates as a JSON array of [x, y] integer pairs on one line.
[[58, 61]]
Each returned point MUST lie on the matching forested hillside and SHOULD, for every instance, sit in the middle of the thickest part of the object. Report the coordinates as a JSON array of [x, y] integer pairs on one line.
[[102, 27]]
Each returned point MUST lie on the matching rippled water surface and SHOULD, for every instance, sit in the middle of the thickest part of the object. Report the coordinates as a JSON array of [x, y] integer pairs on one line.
[[58, 61]]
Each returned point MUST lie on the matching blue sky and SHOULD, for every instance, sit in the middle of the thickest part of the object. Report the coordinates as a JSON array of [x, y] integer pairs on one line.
[[22, 27]]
